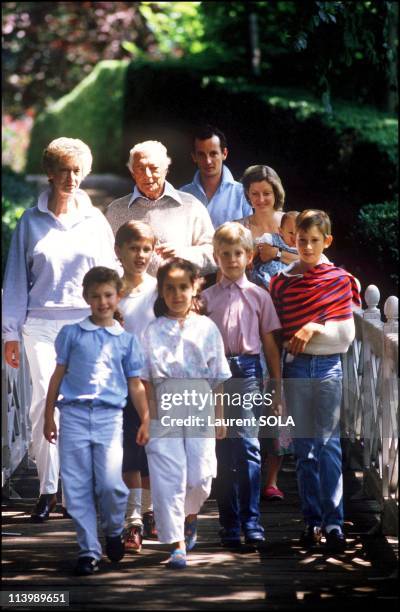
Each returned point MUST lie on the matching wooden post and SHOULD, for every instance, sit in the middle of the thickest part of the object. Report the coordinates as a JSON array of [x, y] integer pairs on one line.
[[389, 396], [372, 314]]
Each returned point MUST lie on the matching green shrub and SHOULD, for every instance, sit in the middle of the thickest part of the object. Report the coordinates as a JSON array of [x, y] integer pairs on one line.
[[92, 111], [286, 127], [17, 195], [377, 231], [370, 124], [338, 149], [119, 104]]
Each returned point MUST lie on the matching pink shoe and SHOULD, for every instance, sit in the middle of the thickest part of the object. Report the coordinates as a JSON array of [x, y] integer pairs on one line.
[[272, 493]]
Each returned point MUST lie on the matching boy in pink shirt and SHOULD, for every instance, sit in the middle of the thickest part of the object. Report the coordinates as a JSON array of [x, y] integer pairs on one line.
[[246, 318]]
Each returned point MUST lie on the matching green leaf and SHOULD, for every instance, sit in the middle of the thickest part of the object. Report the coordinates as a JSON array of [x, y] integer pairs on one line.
[[130, 47]]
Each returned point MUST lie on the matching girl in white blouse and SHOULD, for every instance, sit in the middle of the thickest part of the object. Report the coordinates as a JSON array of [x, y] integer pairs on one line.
[[184, 363]]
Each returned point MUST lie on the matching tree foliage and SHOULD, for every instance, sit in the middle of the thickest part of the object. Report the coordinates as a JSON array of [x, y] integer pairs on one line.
[[177, 27], [348, 49], [49, 47]]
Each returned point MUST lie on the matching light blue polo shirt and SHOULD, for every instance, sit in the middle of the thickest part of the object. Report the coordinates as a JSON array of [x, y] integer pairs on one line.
[[99, 360], [228, 202]]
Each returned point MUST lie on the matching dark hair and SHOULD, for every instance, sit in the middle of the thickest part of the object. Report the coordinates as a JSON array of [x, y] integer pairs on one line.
[[100, 275], [255, 174], [314, 218], [134, 230], [206, 131], [160, 307]]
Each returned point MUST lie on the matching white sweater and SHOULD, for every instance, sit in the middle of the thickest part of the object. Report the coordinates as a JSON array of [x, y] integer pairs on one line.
[[176, 217]]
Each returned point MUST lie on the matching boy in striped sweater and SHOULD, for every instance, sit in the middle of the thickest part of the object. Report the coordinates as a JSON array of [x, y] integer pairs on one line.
[[313, 300]]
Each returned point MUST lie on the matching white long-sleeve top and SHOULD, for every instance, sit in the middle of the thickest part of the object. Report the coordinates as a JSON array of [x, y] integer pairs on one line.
[[48, 259]]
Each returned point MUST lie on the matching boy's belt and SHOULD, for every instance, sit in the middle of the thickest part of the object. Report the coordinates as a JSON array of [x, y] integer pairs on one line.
[[308, 355]]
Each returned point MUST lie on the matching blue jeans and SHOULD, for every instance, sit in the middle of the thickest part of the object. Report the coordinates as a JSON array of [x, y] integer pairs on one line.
[[91, 461], [313, 392], [238, 456]]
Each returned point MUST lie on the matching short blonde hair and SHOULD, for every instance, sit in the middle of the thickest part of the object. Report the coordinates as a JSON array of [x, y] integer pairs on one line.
[[149, 146], [255, 174], [67, 148], [233, 232]]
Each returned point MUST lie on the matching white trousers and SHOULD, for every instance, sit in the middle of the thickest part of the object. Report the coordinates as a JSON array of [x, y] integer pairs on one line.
[[181, 471], [39, 336]]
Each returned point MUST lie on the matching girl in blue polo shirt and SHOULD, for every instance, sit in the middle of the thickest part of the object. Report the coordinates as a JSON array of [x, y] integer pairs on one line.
[[97, 364]]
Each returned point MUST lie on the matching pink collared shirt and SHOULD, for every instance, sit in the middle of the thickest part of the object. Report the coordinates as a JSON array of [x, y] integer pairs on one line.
[[241, 310]]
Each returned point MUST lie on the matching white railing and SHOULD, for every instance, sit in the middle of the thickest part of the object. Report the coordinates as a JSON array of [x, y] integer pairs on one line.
[[15, 402], [370, 401]]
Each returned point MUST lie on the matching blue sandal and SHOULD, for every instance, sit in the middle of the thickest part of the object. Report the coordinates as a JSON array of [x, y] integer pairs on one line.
[[177, 559], [190, 534]]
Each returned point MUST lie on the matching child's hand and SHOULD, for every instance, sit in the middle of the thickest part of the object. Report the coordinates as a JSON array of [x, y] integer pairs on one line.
[[266, 252], [276, 407], [142, 436], [166, 250], [220, 432], [50, 430], [302, 337]]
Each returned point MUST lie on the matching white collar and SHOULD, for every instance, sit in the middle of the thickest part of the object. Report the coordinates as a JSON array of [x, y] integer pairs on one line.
[[169, 191], [114, 330]]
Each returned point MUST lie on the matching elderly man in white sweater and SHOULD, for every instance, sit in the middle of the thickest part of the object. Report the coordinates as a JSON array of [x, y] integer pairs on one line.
[[181, 224]]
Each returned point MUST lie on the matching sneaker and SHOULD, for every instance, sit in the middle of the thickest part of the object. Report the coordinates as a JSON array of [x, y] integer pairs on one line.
[[177, 559], [149, 525], [272, 493], [133, 539], [190, 534], [230, 538], [311, 535], [86, 566], [115, 547], [335, 541]]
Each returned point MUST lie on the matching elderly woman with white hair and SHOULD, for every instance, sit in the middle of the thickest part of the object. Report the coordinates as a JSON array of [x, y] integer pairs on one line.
[[180, 222], [53, 246]]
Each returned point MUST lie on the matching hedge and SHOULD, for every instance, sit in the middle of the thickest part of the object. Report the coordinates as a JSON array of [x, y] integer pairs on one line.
[[353, 150], [17, 195], [377, 232], [350, 154], [92, 111]]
